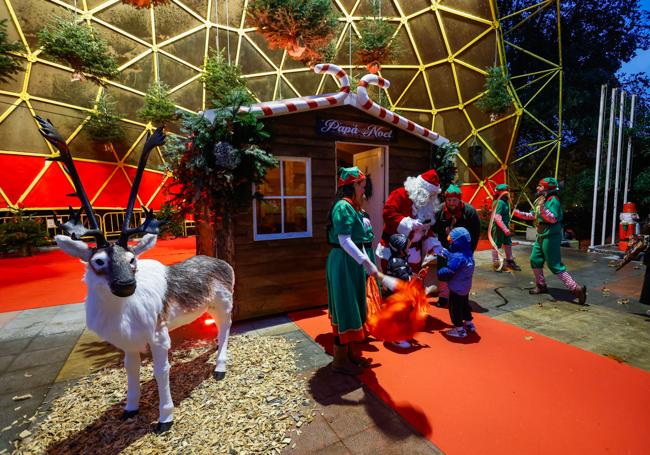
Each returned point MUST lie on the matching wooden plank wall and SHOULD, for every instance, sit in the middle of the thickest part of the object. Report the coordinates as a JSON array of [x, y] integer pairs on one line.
[[276, 276]]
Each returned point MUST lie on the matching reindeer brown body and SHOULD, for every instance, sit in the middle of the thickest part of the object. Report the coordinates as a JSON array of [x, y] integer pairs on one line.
[[134, 304]]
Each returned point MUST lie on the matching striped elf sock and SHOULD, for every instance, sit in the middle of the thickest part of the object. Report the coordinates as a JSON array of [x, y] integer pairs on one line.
[[508, 249], [539, 277], [568, 280]]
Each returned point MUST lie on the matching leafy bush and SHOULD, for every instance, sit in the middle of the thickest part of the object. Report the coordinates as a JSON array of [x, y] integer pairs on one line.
[[174, 220], [497, 100], [104, 123], [443, 160], [215, 163], [78, 45], [158, 107], [22, 234], [9, 63]]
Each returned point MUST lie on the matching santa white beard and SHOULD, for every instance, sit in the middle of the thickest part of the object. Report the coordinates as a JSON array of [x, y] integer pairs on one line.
[[424, 202]]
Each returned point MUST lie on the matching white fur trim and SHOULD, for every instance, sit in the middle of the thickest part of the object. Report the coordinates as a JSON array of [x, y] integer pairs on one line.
[[406, 226], [414, 256], [430, 187], [432, 243]]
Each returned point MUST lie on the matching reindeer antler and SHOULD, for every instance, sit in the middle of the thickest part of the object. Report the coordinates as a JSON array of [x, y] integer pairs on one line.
[[73, 227], [150, 225]]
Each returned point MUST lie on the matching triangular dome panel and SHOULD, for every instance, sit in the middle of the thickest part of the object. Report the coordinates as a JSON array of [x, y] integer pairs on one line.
[[17, 173], [93, 176], [115, 194], [51, 190]]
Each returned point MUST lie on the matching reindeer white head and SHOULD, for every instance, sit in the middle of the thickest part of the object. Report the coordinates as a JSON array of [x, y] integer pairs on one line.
[[114, 264]]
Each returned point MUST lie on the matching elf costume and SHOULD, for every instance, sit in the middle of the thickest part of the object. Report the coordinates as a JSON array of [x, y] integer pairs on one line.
[[500, 231], [346, 277], [464, 215], [547, 216]]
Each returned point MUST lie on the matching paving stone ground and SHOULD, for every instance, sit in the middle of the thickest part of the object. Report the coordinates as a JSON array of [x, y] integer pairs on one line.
[[44, 350]]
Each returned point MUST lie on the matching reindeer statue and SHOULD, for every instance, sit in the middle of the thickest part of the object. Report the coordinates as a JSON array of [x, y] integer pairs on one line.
[[133, 303]]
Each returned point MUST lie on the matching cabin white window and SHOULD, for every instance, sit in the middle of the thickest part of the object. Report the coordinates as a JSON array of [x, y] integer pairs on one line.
[[285, 211]]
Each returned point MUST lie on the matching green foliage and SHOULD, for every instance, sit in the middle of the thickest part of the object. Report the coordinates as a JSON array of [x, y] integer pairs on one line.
[[78, 45], [497, 100], [375, 37], [158, 107], [216, 162], [220, 78], [302, 27], [104, 123], [443, 160], [9, 63], [175, 221], [22, 234]]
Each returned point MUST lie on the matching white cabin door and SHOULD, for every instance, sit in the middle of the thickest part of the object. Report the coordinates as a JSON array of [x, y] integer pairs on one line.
[[372, 163]]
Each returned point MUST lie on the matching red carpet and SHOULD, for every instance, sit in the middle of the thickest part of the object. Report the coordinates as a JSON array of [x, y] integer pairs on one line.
[[506, 391], [54, 278]]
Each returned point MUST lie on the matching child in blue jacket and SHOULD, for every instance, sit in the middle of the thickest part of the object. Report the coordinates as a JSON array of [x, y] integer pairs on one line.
[[458, 274]]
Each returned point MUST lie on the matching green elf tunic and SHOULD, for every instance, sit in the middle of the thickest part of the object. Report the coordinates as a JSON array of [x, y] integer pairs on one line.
[[501, 208], [346, 280], [548, 219]]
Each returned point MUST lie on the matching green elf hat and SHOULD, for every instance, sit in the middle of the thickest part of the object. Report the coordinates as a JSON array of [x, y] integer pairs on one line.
[[501, 188], [349, 175], [453, 191], [549, 183]]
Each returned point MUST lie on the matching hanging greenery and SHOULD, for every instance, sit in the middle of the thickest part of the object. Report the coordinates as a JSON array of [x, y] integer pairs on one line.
[[10, 64], [302, 27], [80, 46], [144, 3], [220, 78], [104, 123], [443, 159], [158, 107], [497, 99], [215, 163], [374, 42]]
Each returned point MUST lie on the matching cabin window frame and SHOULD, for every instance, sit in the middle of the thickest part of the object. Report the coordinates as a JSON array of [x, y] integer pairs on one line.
[[282, 197]]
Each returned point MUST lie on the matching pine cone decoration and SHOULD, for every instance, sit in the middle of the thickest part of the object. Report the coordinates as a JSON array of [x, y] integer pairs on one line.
[[226, 156]]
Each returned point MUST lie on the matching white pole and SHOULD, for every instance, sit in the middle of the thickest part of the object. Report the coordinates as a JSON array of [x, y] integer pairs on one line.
[[599, 146], [628, 164], [619, 153], [610, 142]]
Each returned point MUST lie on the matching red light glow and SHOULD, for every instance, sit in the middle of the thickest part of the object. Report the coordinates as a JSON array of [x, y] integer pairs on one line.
[[209, 321]]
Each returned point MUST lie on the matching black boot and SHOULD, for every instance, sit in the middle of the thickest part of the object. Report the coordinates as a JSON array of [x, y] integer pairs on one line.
[[581, 293], [342, 364], [539, 289]]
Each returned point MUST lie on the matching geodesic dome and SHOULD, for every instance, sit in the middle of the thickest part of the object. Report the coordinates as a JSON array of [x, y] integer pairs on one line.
[[444, 49]]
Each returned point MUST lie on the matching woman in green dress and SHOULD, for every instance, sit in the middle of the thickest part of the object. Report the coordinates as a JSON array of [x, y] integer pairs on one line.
[[348, 266]]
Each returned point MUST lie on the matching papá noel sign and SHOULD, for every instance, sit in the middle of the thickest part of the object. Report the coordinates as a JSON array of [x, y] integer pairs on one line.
[[357, 130]]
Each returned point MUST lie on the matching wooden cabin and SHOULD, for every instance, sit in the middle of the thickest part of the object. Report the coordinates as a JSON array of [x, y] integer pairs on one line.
[[280, 245]]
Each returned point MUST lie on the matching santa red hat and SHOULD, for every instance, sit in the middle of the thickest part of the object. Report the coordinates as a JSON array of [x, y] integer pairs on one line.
[[429, 181]]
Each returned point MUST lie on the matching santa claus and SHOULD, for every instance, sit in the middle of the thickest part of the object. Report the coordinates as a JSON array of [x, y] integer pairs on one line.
[[409, 210]]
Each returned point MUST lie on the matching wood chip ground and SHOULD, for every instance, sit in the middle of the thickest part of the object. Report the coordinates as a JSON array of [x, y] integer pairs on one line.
[[254, 410]]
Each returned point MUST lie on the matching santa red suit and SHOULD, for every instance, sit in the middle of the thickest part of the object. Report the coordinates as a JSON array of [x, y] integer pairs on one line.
[[409, 210]]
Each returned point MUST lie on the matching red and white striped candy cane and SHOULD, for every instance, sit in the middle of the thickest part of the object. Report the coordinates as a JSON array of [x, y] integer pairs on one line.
[[312, 102], [401, 122]]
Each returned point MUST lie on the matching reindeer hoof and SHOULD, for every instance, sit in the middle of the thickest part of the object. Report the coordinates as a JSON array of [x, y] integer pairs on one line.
[[129, 414], [218, 375], [162, 427]]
